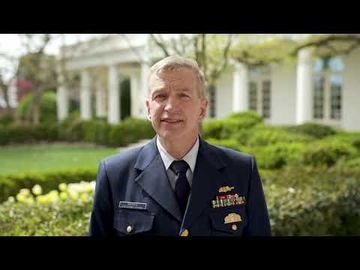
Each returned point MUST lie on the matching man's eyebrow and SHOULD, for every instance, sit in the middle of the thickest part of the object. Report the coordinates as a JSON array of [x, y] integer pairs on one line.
[[183, 90], [156, 91]]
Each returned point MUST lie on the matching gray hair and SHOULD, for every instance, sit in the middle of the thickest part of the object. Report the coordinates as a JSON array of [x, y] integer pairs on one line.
[[175, 62]]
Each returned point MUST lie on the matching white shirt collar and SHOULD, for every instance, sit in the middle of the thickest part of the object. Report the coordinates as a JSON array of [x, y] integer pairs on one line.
[[190, 157]]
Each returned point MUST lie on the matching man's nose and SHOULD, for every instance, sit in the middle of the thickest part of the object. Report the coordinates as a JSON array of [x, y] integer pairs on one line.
[[171, 104]]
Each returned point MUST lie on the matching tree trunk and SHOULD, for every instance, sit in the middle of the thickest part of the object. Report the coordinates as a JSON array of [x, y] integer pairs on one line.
[[33, 114]]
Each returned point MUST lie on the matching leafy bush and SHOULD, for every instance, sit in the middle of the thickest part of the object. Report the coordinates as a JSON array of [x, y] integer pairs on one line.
[[231, 126], [213, 128], [11, 184], [130, 131], [246, 119], [270, 135], [6, 118], [327, 153], [47, 107], [62, 212], [317, 131], [278, 155], [230, 143], [326, 204], [311, 212], [18, 133]]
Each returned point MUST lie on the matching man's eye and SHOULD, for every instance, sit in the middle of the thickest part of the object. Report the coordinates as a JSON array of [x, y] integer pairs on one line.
[[184, 95], [160, 96]]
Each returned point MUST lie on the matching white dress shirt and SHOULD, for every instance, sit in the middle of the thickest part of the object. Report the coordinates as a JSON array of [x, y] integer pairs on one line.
[[190, 159]]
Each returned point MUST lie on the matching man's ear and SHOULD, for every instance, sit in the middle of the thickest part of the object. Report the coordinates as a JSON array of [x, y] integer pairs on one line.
[[148, 108], [203, 108]]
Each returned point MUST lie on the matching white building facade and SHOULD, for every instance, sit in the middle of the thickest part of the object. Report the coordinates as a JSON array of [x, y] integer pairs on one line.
[[310, 89]]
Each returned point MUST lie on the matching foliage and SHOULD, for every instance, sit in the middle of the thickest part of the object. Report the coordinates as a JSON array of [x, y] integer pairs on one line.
[[317, 131], [11, 184], [327, 152], [47, 107], [63, 212]]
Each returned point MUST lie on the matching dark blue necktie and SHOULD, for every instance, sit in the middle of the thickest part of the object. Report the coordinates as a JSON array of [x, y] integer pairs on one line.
[[182, 187]]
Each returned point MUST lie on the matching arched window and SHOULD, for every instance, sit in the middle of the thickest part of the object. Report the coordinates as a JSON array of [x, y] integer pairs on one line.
[[328, 82]]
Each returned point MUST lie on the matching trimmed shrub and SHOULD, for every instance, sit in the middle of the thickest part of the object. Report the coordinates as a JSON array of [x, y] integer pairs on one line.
[[6, 118], [278, 155], [11, 184], [213, 128], [269, 135], [326, 153], [317, 131], [310, 212], [63, 212], [231, 127], [229, 143], [47, 107], [129, 131]]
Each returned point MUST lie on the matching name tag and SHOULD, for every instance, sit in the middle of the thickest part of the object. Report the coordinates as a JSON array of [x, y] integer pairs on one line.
[[133, 205]]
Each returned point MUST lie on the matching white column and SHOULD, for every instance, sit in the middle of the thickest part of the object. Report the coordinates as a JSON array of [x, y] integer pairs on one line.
[[85, 96], [304, 87], [135, 93], [113, 96], [145, 71], [240, 88], [100, 100], [62, 99]]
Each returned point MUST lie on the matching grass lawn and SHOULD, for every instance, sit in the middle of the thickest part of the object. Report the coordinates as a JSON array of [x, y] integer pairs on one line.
[[51, 157]]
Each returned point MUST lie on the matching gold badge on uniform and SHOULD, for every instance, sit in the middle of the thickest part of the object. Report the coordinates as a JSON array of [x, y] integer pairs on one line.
[[232, 218], [225, 189]]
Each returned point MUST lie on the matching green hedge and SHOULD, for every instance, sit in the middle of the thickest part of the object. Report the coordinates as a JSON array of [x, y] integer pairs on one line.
[[327, 152], [311, 212], [11, 184], [74, 129], [301, 202], [317, 131], [27, 133], [6, 118], [47, 107], [129, 131], [232, 126], [278, 155], [269, 135], [63, 212]]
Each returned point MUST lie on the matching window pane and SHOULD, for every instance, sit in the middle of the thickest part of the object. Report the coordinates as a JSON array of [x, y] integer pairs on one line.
[[318, 66], [253, 96], [336, 64], [335, 96], [318, 108], [266, 99]]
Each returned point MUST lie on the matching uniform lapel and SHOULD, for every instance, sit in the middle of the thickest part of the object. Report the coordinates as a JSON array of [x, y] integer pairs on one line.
[[154, 180], [206, 182]]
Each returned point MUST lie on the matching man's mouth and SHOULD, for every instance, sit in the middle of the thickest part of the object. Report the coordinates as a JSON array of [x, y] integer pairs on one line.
[[171, 121]]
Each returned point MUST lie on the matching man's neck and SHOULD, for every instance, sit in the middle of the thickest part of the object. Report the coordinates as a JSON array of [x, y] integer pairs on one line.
[[176, 148]]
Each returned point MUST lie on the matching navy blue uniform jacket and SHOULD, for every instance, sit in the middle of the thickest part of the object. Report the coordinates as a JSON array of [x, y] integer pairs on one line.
[[138, 178]]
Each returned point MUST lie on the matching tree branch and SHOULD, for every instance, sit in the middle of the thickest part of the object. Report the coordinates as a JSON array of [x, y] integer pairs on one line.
[[160, 44]]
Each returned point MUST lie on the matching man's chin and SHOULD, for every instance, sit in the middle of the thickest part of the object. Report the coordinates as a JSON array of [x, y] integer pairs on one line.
[[174, 134]]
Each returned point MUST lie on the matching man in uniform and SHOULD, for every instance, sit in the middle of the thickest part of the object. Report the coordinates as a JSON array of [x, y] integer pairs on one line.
[[178, 184]]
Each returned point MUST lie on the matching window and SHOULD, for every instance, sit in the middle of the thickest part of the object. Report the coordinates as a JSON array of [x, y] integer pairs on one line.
[[266, 99], [318, 98], [328, 83], [253, 96], [335, 96], [260, 91]]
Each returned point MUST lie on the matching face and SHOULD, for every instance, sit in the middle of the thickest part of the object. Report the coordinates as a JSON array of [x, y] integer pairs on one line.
[[175, 107]]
